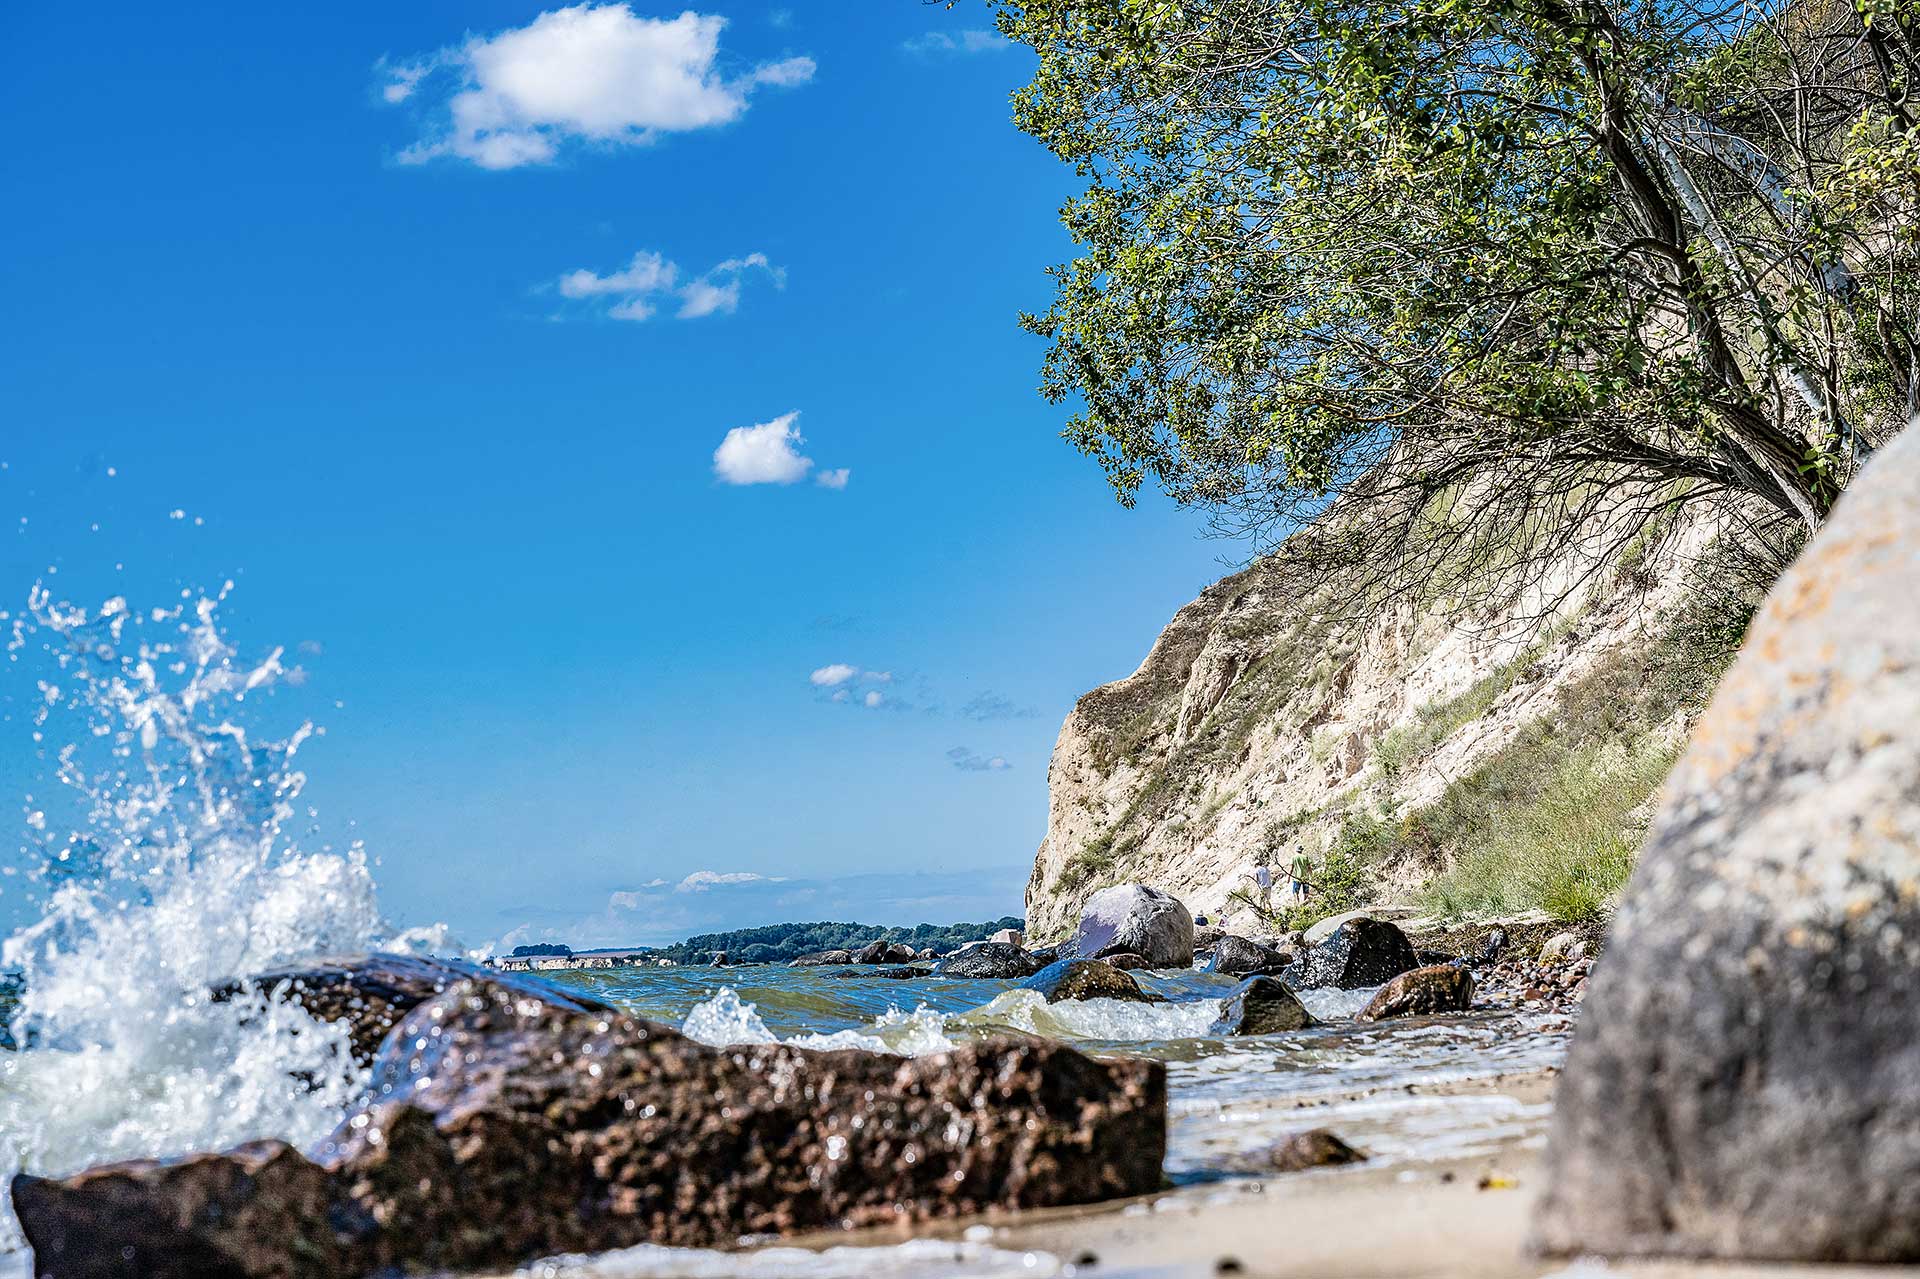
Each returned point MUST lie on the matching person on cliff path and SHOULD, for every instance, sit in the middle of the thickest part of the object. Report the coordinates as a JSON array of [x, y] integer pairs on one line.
[[1298, 877], [1263, 887]]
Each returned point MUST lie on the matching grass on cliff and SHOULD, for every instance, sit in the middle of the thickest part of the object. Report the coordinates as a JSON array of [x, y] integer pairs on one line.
[[1554, 820]]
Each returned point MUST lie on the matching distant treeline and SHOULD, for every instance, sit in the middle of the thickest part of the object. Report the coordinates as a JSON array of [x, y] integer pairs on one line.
[[543, 948], [776, 942]]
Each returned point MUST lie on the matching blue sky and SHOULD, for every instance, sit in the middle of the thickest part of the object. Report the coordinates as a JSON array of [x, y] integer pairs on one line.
[[621, 414]]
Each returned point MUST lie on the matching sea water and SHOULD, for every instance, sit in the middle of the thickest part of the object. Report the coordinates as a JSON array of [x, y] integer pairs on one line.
[[162, 852]]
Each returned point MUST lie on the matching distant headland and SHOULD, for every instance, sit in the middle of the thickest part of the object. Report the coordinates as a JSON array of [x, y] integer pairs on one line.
[[768, 944]]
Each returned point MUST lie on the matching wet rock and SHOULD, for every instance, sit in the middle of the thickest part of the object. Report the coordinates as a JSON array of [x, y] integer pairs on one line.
[[1361, 952], [1261, 1006], [927, 952], [1205, 936], [1126, 961], [1236, 955], [883, 952], [1330, 925], [884, 974], [1086, 979], [1438, 988], [820, 957], [719, 959], [528, 1130], [1315, 1148], [1745, 1079], [1046, 954], [1430, 957], [1492, 945], [1009, 937], [1136, 919], [372, 993], [991, 959]]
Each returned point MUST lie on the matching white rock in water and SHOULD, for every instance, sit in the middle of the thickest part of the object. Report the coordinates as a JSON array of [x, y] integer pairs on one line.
[[1009, 937], [1134, 918]]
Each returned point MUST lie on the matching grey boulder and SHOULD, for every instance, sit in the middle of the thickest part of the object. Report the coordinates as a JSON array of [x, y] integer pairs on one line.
[[1236, 955], [989, 960], [1086, 979], [1134, 919], [1745, 1081], [1261, 1006]]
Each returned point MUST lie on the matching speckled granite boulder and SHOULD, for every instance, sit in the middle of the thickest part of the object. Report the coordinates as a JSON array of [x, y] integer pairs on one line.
[[1086, 979], [1261, 1006], [1745, 1081], [1361, 952]]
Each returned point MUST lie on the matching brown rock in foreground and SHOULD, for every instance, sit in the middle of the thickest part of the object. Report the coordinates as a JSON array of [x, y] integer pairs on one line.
[[1745, 1081], [528, 1129], [1437, 988]]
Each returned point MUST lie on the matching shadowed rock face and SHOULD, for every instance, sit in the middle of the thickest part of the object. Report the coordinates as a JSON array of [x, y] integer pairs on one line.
[[1361, 952], [372, 993], [1261, 1006], [1235, 955], [528, 1129], [1745, 1081], [1437, 988], [989, 959], [1086, 979]]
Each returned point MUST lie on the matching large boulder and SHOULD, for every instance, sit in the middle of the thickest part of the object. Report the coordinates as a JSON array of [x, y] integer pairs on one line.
[[1437, 988], [1361, 952], [517, 1129], [1238, 956], [372, 993], [1745, 1081], [989, 959], [1009, 937], [1261, 1006], [1086, 979], [1136, 919]]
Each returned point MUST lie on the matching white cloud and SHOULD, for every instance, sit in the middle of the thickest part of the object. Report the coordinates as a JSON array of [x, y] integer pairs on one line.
[[968, 762], [762, 454], [873, 699], [974, 41], [701, 880], [831, 675], [767, 453], [639, 285], [593, 73], [838, 675], [834, 479]]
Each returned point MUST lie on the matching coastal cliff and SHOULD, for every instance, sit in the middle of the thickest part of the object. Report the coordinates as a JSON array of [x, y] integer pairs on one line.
[[1396, 747]]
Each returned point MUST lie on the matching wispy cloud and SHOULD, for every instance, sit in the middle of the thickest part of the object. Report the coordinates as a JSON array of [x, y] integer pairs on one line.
[[972, 41], [637, 290], [991, 706], [590, 73], [766, 453], [968, 762]]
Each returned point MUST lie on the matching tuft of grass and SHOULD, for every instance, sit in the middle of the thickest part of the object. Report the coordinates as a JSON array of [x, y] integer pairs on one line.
[[1566, 847]]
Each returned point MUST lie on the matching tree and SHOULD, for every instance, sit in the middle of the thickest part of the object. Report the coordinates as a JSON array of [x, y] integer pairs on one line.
[[1463, 274]]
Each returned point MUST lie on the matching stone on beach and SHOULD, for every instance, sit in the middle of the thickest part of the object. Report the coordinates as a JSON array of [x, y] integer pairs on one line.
[[1136, 919], [1437, 988], [518, 1129], [1261, 1006], [820, 957], [884, 952], [1086, 979], [1237, 955], [989, 959], [1360, 952], [1745, 1081]]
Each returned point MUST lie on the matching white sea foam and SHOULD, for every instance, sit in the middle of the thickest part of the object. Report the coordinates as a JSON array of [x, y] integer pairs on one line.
[[167, 868], [726, 1019]]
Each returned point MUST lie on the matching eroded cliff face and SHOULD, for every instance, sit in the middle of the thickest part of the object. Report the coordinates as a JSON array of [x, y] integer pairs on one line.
[[1260, 723]]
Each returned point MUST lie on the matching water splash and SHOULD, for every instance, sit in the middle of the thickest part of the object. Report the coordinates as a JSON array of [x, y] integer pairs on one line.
[[165, 865], [726, 1019]]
